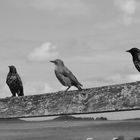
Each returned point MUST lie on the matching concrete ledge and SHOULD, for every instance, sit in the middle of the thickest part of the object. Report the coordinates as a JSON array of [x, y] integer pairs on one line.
[[94, 100]]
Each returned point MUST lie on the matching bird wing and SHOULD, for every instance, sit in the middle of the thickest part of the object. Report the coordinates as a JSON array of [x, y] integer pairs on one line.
[[20, 86], [63, 79], [66, 72], [137, 65], [14, 81], [19, 80], [10, 79], [138, 56]]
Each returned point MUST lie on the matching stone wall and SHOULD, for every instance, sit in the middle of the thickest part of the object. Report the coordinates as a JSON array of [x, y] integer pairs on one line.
[[93, 100]]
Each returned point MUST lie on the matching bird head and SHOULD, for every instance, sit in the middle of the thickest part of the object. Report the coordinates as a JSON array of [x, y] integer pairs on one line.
[[134, 51], [12, 69], [57, 62]]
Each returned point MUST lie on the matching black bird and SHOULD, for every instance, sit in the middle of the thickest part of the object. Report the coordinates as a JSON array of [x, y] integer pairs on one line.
[[135, 52], [14, 82], [65, 76]]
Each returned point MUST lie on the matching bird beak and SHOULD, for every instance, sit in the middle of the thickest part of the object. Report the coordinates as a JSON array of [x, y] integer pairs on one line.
[[52, 61], [128, 51]]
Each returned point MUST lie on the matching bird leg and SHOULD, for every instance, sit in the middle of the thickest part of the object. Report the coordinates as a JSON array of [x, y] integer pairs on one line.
[[67, 89], [65, 94], [13, 95]]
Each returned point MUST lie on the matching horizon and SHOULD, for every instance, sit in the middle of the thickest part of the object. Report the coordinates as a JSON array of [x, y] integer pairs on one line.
[[110, 116]]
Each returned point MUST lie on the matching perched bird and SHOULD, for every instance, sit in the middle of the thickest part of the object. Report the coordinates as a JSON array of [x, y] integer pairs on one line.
[[14, 82], [65, 76], [135, 52]]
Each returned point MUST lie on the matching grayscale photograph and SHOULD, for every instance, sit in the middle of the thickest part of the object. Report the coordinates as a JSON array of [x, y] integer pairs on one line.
[[69, 69]]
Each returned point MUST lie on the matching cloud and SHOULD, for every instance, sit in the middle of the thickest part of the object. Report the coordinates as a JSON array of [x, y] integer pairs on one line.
[[128, 9], [46, 51]]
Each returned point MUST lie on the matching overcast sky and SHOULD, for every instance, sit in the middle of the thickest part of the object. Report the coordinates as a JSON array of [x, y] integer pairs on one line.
[[91, 36]]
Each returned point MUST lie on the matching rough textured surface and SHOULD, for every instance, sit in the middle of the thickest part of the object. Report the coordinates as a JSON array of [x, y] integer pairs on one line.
[[108, 98]]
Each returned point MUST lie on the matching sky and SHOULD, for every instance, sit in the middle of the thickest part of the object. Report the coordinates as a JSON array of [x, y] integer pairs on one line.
[[90, 36]]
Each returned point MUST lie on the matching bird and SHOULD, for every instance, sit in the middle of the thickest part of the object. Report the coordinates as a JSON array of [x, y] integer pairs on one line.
[[135, 52], [14, 82], [65, 76]]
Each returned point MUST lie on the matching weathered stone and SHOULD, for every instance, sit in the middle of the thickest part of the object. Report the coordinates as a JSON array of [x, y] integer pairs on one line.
[[94, 100]]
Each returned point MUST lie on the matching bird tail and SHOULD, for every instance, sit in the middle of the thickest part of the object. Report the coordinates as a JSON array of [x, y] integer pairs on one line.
[[20, 92]]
